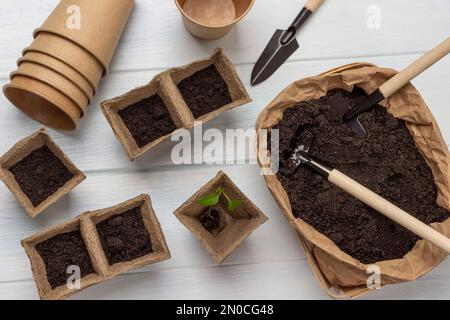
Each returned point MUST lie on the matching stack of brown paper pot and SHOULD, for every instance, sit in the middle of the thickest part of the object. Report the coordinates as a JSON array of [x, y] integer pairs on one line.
[[165, 85], [60, 70], [86, 224]]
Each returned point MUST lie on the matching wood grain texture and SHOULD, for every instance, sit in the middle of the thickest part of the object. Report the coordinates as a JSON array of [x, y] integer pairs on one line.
[[270, 264]]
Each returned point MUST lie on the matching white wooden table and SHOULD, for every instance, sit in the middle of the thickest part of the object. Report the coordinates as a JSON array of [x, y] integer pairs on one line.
[[270, 264]]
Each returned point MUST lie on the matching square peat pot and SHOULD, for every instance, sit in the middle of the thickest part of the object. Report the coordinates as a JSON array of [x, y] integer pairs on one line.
[[58, 256], [128, 236], [38, 172], [206, 88], [142, 118], [222, 234]]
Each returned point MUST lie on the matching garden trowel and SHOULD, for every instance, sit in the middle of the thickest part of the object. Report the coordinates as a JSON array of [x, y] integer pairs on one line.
[[398, 81], [282, 45]]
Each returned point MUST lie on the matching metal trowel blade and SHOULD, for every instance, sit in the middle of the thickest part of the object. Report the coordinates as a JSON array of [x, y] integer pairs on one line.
[[273, 56], [341, 109]]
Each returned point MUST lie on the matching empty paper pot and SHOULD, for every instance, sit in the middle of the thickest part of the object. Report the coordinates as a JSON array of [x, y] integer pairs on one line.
[[210, 20]]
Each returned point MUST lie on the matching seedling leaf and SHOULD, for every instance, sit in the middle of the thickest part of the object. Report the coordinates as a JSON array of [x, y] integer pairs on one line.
[[233, 205], [211, 199]]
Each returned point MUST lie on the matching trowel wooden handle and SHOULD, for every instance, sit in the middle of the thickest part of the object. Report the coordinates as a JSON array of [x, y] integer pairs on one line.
[[414, 69], [313, 5], [389, 210]]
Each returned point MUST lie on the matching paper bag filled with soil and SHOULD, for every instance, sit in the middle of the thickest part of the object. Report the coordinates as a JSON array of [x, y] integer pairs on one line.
[[339, 272]]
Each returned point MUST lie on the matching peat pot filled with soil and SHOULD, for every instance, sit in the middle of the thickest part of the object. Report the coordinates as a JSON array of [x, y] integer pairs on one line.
[[98, 244], [402, 157], [56, 254], [220, 216], [129, 235], [38, 173]]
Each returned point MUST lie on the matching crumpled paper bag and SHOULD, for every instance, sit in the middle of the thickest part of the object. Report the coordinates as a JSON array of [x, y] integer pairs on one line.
[[340, 274]]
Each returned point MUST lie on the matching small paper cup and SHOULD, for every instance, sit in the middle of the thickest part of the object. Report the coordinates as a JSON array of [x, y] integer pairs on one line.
[[207, 32], [43, 103], [94, 25], [59, 67], [57, 81], [70, 53]]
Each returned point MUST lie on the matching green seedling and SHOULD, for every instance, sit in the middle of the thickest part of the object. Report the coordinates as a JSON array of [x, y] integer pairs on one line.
[[213, 199]]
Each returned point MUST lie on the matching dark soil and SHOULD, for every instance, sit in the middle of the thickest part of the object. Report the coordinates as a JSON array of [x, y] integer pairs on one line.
[[386, 160], [210, 219], [215, 220], [62, 251], [205, 91], [40, 174], [124, 237], [148, 120]]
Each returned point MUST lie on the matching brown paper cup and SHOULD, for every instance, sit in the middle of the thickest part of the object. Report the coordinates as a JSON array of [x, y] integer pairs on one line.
[[43, 103], [61, 68], [70, 53], [55, 80], [207, 32], [94, 25]]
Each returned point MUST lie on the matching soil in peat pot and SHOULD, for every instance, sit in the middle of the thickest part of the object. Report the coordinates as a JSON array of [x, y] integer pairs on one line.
[[385, 160], [62, 251], [124, 237], [215, 220], [40, 174], [148, 120], [205, 91]]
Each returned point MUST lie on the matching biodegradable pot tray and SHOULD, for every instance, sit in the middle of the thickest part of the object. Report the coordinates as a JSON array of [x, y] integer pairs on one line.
[[21, 150], [87, 225], [165, 85], [243, 221]]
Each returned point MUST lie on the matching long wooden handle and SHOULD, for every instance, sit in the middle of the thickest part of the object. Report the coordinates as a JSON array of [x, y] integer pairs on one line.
[[313, 5], [389, 210], [414, 69]]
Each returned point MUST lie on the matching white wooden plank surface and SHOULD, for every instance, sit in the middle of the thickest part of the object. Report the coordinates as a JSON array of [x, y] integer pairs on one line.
[[270, 264]]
